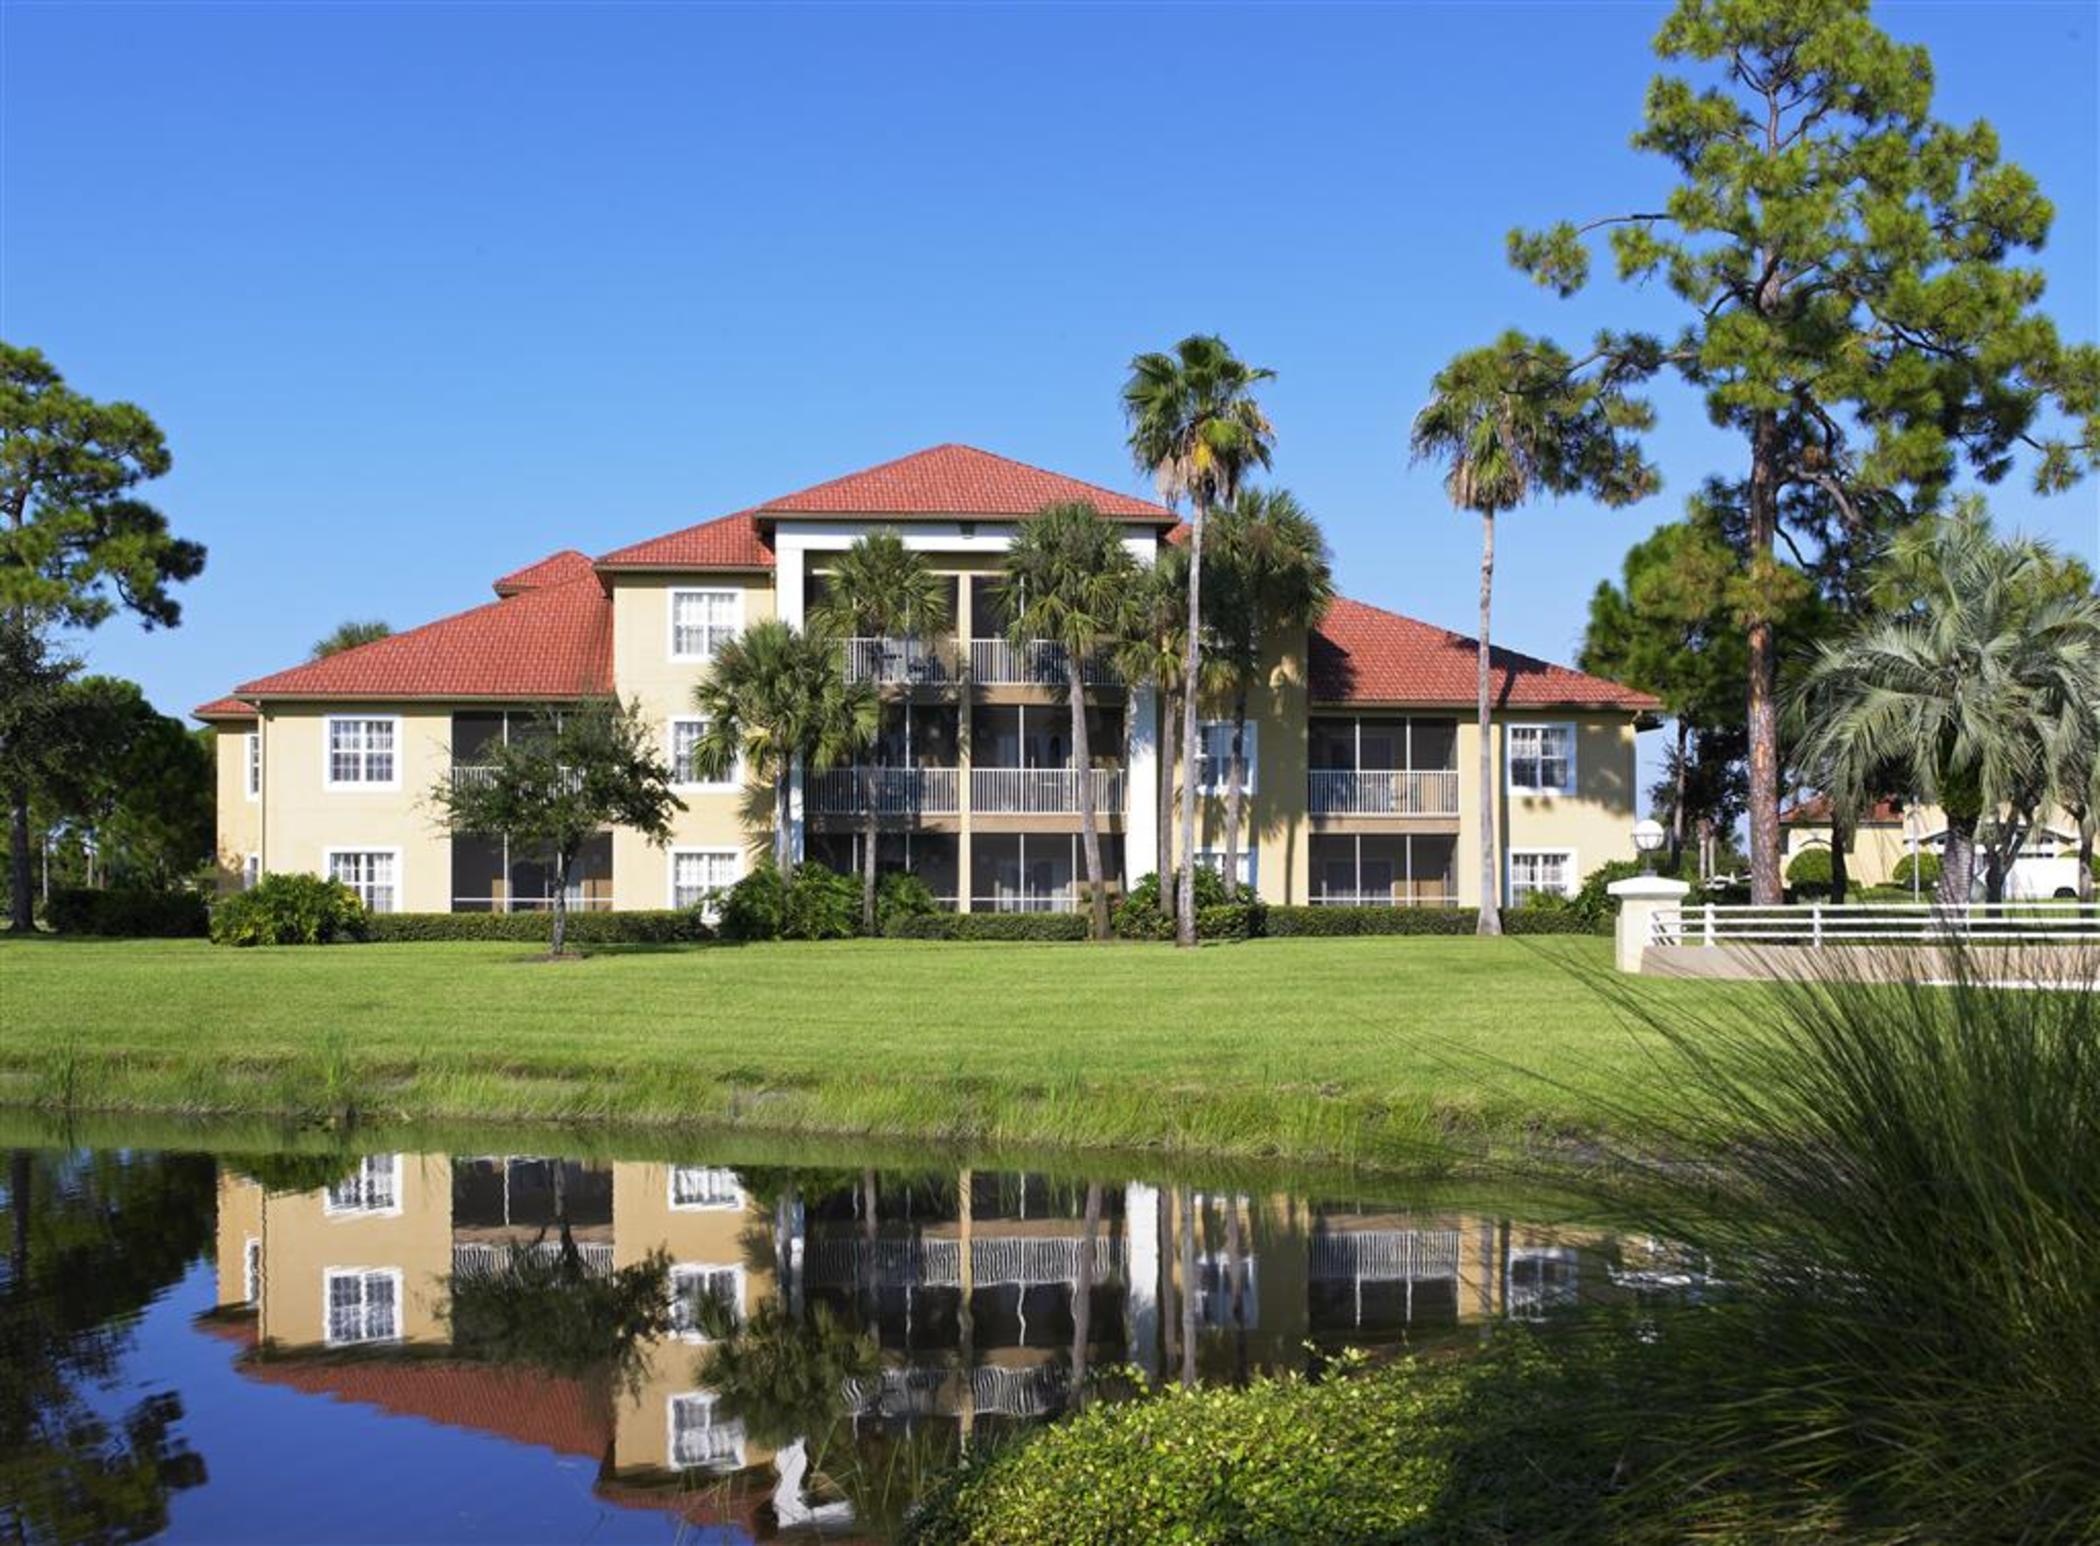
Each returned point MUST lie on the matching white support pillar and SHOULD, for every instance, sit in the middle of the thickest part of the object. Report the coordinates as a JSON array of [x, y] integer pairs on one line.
[[1142, 814], [1640, 899], [788, 602]]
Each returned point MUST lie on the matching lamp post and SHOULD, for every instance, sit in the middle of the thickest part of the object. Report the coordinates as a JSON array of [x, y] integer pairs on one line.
[[1648, 838]]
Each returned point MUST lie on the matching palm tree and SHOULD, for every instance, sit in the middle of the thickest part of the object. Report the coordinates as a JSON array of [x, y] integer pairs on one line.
[[1070, 580], [1274, 577], [880, 589], [1195, 426], [1511, 422], [775, 697], [1981, 686], [1152, 652], [348, 636]]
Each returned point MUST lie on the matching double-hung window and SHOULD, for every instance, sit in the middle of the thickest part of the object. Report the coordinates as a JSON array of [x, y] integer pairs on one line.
[[1541, 759], [1213, 859], [364, 1305], [251, 871], [694, 1286], [251, 758], [699, 875], [1214, 756], [702, 621], [373, 1187], [685, 768], [1550, 871], [251, 1271], [695, 1187], [701, 1440], [363, 752], [373, 873]]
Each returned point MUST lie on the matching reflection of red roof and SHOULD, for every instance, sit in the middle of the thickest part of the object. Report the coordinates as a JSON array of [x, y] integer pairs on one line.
[[223, 708], [1363, 654], [568, 564], [727, 542], [526, 1408], [554, 641], [1815, 812]]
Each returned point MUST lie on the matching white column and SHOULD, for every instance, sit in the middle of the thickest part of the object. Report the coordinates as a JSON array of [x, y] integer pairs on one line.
[[1141, 786], [1141, 1272], [788, 605], [1641, 898]]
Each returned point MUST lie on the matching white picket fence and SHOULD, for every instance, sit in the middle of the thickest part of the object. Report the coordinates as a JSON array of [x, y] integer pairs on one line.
[[1821, 923]]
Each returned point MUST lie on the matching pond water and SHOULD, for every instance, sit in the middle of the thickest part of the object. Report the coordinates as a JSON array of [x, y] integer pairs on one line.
[[403, 1344]]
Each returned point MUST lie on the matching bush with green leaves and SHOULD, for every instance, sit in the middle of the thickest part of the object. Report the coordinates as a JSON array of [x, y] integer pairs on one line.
[[1289, 922], [1038, 927], [1140, 916], [1925, 866], [289, 909], [128, 914], [655, 926], [815, 903], [900, 894], [1808, 873]]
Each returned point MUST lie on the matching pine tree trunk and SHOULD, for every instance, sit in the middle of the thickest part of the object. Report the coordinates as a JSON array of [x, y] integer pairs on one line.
[[1191, 675], [1089, 826], [21, 902], [1684, 748], [1235, 782], [870, 830], [1490, 899], [1761, 698]]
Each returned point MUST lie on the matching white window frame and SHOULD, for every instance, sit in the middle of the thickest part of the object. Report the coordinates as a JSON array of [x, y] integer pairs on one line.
[[734, 855], [1509, 758], [251, 871], [734, 1461], [715, 1203], [251, 764], [736, 627], [359, 1208], [363, 1276], [1250, 863], [330, 855], [1210, 784], [691, 1269], [1571, 872], [359, 785], [251, 1271], [728, 785]]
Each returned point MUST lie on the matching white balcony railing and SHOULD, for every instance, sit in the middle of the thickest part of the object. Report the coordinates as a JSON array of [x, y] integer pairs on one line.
[[1043, 791], [897, 791], [1028, 1260], [899, 662], [1382, 792], [1385, 1255], [1037, 663], [471, 775]]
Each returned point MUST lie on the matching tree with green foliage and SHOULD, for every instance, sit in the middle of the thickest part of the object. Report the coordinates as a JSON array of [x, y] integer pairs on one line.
[[134, 785], [76, 545], [1981, 684], [349, 635], [881, 590], [776, 699], [577, 770], [1069, 580], [1854, 313], [1274, 577], [1195, 426], [1519, 419]]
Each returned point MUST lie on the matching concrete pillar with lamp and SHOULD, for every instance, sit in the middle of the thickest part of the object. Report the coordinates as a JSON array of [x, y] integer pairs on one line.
[[1644, 898]]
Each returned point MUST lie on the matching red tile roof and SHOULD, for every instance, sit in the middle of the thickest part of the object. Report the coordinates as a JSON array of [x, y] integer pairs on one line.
[[1363, 654], [568, 564], [551, 642], [1815, 812], [726, 542], [524, 1407], [956, 480], [223, 708]]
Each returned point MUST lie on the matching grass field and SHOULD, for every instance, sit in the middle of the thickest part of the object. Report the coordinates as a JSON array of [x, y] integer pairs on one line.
[[1350, 1050]]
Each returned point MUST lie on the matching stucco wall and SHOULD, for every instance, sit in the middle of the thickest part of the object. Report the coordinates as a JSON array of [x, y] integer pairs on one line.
[[240, 818]]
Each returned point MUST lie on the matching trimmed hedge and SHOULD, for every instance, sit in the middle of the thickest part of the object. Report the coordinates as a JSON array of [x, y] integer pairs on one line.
[[289, 909], [1928, 868], [1808, 873], [128, 914], [1061, 927], [662, 926], [1290, 922], [1231, 921]]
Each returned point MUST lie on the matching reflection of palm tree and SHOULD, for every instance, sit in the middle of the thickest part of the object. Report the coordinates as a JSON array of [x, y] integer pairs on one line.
[[1187, 1211], [1083, 1294]]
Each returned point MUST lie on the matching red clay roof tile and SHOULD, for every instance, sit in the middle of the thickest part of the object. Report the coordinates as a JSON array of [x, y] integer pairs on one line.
[[568, 564], [223, 708], [956, 480], [1363, 654], [726, 542]]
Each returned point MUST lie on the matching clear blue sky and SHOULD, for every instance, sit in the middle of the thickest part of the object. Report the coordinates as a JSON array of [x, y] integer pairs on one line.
[[421, 292]]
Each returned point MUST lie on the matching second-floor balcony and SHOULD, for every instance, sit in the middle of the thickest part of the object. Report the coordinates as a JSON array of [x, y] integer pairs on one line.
[[896, 791], [1382, 792], [1036, 663], [1044, 791], [471, 775], [902, 662]]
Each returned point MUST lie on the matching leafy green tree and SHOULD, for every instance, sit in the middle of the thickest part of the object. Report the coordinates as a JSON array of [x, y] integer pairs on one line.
[[349, 635], [880, 589], [777, 697], [76, 544], [1195, 426], [134, 784], [1853, 311], [1983, 690], [1510, 422], [1273, 577], [580, 769], [1070, 580]]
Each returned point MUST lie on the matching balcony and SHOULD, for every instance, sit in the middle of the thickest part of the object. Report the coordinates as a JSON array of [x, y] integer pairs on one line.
[[1037, 663], [898, 792], [1382, 792], [1043, 791], [468, 775], [901, 662]]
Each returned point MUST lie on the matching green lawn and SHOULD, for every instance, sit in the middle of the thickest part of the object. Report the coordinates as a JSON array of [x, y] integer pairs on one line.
[[1352, 1050]]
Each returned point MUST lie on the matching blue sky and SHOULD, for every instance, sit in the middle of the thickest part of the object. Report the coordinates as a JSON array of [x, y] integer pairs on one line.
[[422, 292]]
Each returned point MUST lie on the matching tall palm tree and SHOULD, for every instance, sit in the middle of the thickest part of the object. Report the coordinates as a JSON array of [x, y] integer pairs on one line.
[[1195, 426], [1153, 652], [880, 589], [1070, 580], [1510, 422], [1274, 577], [775, 697], [1982, 687]]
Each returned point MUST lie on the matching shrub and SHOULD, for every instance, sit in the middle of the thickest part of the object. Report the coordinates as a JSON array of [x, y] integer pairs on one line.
[[1561, 915], [816, 904], [901, 894], [756, 906], [1925, 865], [992, 926], [1808, 873], [1140, 916], [289, 909], [651, 927], [128, 914], [1290, 922], [1229, 920]]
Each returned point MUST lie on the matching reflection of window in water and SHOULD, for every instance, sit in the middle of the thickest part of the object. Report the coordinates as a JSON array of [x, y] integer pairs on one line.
[[693, 1284], [1541, 1279], [251, 1271], [373, 1187], [698, 1439], [705, 1186], [364, 1304], [1214, 1291]]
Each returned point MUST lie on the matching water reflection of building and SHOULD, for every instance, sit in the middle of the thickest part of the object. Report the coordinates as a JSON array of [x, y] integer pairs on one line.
[[976, 1286]]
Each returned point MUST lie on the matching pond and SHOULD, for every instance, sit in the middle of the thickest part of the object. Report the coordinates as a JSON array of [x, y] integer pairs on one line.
[[423, 1339]]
